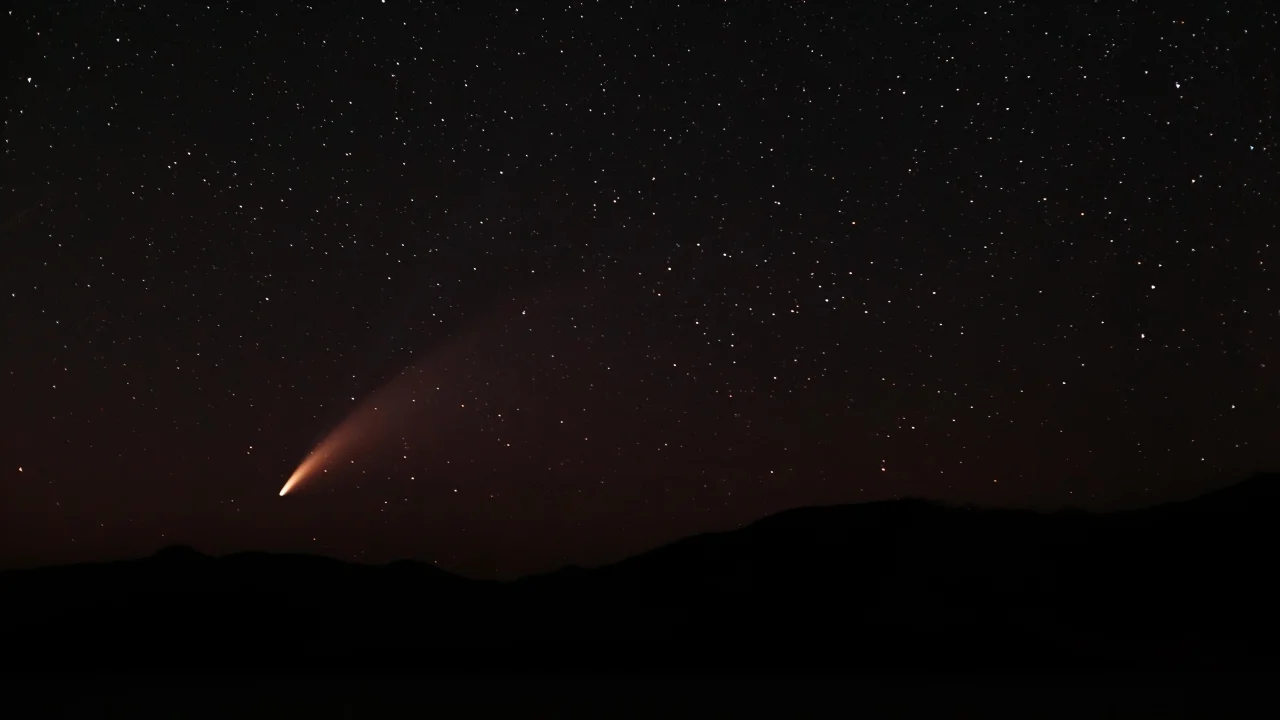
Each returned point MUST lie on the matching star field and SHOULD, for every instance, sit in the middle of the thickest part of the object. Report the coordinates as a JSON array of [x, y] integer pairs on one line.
[[606, 275]]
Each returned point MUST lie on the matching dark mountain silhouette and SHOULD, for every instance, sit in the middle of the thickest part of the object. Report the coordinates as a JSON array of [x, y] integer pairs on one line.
[[890, 585]]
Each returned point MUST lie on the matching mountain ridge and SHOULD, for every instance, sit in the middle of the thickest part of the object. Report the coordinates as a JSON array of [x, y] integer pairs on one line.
[[1178, 585]]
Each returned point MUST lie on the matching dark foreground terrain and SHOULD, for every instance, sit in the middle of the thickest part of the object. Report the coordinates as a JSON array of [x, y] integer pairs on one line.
[[904, 585]]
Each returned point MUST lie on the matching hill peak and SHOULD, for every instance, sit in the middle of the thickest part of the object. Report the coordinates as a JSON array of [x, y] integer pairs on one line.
[[178, 553]]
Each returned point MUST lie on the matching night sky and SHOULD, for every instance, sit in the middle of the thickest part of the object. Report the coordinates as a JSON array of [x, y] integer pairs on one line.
[[598, 276]]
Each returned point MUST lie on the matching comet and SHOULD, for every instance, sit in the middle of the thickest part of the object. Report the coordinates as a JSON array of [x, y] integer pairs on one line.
[[348, 437], [373, 428], [357, 431], [305, 470], [408, 407]]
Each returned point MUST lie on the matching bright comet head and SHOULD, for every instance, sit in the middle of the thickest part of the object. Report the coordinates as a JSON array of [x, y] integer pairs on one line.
[[293, 480]]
